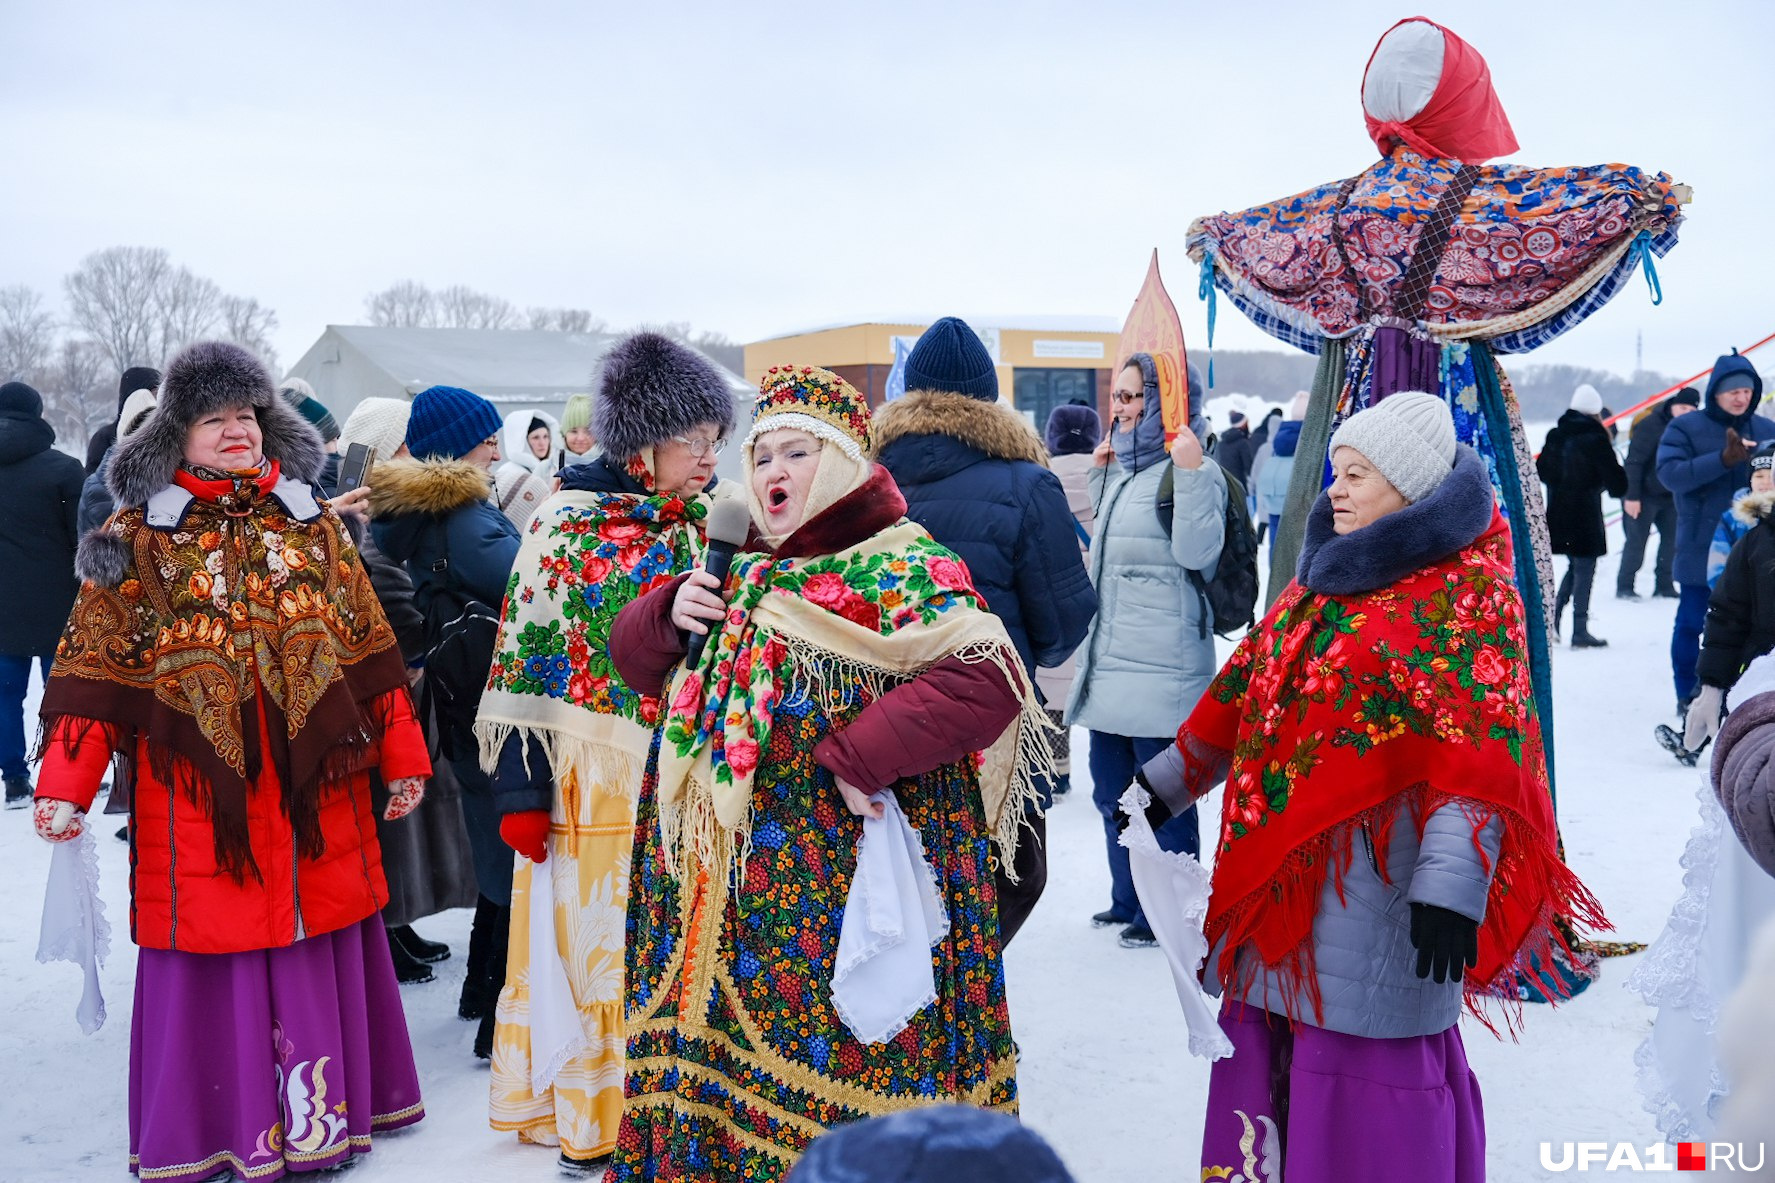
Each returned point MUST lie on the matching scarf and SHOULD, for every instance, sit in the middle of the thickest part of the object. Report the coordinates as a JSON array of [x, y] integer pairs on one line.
[[591, 550], [1346, 711], [845, 626], [240, 610]]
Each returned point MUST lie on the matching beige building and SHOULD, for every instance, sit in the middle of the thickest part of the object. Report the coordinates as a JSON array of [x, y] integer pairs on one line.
[[1043, 361]]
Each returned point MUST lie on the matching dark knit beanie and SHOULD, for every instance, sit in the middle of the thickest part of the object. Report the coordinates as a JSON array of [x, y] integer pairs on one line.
[[310, 408], [1688, 396], [450, 422], [19, 400], [950, 356], [1073, 429], [1763, 457], [137, 378], [934, 1144]]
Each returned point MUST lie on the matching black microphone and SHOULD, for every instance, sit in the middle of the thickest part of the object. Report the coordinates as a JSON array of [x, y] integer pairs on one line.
[[729, 519]]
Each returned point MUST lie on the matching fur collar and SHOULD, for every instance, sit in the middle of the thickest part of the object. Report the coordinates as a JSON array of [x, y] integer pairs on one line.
[[143, 464], [1754, 507], [994, 429], [1447, 521], [427, 487], [872, 506]]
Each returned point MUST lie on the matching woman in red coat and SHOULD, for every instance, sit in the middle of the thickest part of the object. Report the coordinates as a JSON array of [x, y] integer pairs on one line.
[[226, 639]]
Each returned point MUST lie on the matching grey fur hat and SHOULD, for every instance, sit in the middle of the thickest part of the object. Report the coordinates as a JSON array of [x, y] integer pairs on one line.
[[651, 388], [201, 379]]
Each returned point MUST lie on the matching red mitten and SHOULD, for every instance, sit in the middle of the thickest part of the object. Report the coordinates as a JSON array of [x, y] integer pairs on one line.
[[404, 796], [527, 832]]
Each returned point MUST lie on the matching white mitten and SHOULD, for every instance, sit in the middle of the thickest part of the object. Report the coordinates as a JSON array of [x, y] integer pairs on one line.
[[404, 797], [56, 821], [1705, 712]]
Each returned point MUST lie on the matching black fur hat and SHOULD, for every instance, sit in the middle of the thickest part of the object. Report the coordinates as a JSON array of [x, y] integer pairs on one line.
[[652, 388], [202, 379]]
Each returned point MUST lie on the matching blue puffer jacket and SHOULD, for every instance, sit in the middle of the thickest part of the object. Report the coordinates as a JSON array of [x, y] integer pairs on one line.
[[1689, 465], [975, 475], [420, 508]]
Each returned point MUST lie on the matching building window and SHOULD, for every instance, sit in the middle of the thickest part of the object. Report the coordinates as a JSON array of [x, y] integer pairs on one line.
[[1039, 391]]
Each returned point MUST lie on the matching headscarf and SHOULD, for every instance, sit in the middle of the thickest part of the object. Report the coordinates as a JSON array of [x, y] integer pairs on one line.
[[1427, 89]]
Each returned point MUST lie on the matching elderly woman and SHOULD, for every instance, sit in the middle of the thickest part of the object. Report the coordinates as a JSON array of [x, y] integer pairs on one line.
[[1386, 841], [851, 677], [619, 526], [227, 640]]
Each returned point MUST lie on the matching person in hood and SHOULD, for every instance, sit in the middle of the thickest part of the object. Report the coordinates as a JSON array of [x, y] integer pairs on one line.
[[1270, 484], [1235, 451], [432, 512], [1578, 465], [1149, 653], [1072, 434], [134, 378], [976, 476], [571, 735], [39, 505], [95, 495], [1649, 504], [1704, 460], [267, 1022], [1741, 606]]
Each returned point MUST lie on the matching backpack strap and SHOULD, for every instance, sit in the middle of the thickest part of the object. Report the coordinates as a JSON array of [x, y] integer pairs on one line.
[[1084, 537]]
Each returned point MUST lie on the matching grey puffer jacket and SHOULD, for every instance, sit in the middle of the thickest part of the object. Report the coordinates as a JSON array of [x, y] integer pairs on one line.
[[1146, 659], [1363, 957]]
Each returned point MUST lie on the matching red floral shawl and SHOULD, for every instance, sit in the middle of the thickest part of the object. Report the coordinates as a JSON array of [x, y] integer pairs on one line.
[[1337, 710]]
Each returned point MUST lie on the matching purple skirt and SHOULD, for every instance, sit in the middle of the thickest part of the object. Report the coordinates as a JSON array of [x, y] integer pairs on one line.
[[270, 1061], [1337, 1107]]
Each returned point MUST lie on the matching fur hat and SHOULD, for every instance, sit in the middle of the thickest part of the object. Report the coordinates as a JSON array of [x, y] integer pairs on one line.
[[817, 401], [201, 379], [1409, 436], [1073, 428], [651, 388]]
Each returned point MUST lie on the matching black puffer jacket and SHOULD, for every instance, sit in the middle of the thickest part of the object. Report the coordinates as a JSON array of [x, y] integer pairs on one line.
[[1741, 610], [1578, 465], [1642, 456], [39, 506], [975, 475]]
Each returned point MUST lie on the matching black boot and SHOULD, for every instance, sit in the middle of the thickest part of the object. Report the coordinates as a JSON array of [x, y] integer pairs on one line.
[[501, 935], [407, 971], [474, 1002], [417, 947], [1581, 638]]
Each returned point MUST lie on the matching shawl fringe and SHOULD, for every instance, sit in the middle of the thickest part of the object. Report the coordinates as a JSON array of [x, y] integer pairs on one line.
[[614, 771]]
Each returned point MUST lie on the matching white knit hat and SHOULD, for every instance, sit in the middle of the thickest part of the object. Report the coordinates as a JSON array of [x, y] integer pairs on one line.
[[1409, 436], [379, 422], [1586, 401], [135, 411]]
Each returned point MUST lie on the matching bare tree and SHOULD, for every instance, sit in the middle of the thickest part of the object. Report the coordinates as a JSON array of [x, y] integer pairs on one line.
[[113, 298], [565, 320], [79, 390], [250, 324], [461, 307], [406, 305], [188, 306], [27, 332]]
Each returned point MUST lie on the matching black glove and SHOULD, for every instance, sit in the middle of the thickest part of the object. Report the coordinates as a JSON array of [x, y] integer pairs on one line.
[[1157, 812], [1447, 942]]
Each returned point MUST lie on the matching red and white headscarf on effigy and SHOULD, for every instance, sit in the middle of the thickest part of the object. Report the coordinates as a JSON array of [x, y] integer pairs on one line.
[[1429, 90]]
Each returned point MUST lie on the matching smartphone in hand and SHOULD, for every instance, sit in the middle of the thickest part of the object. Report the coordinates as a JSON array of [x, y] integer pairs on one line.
[[355, 468]]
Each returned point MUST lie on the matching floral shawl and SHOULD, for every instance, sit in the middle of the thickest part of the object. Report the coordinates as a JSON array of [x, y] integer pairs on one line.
[[240, 609], [845, 627], [1337, 710], [587, 554]]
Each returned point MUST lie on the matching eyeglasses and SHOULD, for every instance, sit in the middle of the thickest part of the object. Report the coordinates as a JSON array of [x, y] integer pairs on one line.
[[700, 446], [491, 441], [1122, 396]]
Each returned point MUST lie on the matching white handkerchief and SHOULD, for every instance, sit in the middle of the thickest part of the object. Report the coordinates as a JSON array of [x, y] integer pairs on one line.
[[892, 918], [74, 925], [1173, 891], [556, 1032]]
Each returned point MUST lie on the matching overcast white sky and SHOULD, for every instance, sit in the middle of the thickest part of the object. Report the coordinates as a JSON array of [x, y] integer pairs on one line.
[[759, 168]]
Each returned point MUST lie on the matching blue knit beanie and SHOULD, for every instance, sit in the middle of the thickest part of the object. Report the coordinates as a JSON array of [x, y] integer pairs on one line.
[[933, 1144], [950, 356], [449, 421]]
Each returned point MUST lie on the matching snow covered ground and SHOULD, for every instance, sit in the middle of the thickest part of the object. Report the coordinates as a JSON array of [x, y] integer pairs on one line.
[[1105, 1074]]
